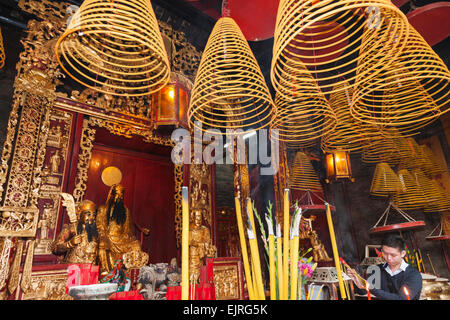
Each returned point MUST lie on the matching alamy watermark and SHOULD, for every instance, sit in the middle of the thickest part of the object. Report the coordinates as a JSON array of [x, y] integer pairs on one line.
[[218, 152]]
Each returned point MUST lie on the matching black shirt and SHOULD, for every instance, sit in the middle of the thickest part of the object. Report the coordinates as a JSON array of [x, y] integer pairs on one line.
[[391, 287]]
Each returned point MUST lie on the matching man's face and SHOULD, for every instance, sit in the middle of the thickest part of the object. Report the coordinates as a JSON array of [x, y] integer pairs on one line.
[[393, 256], [87, 216]]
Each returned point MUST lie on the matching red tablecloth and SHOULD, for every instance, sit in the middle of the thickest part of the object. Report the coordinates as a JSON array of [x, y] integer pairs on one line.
[[126, 295], [202, 292]]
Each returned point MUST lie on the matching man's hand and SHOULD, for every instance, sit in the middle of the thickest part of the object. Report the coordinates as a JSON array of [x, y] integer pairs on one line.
[[75, 240], [145, 231], [354, 277]]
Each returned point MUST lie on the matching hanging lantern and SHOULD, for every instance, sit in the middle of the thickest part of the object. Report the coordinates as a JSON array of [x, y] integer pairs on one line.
[[338, 166], [171, 103], [115, 47]]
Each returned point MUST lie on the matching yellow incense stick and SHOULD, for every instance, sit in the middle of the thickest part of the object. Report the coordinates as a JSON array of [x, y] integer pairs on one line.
[[259, 287], [295, 269], [311, 292], [318, 294], [273, 293], [185, 245], [335, 251], [248, 275], [291, 266], [271, 240], [280, 263], [295, 241], [286, 245]]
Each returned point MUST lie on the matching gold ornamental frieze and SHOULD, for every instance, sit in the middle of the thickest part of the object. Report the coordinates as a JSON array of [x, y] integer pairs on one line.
[[46, 285], [18, 222]]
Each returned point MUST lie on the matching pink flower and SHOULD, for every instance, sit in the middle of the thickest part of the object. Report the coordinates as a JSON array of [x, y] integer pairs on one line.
[[305, 270]]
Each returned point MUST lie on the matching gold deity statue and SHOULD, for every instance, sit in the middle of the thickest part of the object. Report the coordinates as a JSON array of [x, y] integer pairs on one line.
[[319, 252], [200, 245], [116, 237], [78, 242]]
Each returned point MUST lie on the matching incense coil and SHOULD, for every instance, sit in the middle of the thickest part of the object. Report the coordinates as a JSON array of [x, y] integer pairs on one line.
[[442, 203], [326, 37], [349, 133], [115, 47], [229, 89], [414, 197], [302, 175], [430, 191], [380, 146], [385, 182], [431, 164], [302, 119], [411, 155], [409, 94], [2, 51]]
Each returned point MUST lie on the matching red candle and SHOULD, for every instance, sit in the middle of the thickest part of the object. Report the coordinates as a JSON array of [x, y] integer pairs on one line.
[[368, 291], [407, 293]]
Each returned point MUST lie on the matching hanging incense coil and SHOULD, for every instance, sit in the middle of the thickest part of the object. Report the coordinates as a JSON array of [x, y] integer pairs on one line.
[[302, 119], [2, 51], [229, 89], [326, 37], [442, 203], [349, 133], [302, 175], [409, 94], [411, 155], [115, 47], [385, 182], [430, 190], [431, 164], [380, 146], [414, 197]]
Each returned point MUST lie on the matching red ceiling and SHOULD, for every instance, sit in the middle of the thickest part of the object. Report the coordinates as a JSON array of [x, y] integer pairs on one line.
[[257, 18]]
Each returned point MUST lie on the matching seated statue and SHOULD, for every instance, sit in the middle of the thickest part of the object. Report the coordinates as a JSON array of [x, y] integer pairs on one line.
[[200, 245], [319, 252], [114, 224], [79, 243]]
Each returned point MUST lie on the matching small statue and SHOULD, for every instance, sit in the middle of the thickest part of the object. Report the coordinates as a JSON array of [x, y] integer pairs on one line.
[[199, 245], [44, 223], [319, 252], [115, 230], [152, 281], [55, 161], [173, 274], [78, 242], [118, 275]]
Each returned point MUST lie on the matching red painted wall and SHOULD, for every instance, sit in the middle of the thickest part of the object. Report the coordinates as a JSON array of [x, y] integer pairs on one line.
[[149, 194]]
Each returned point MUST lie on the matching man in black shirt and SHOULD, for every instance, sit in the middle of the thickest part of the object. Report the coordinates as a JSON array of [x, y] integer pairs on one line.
[[395, 275]]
